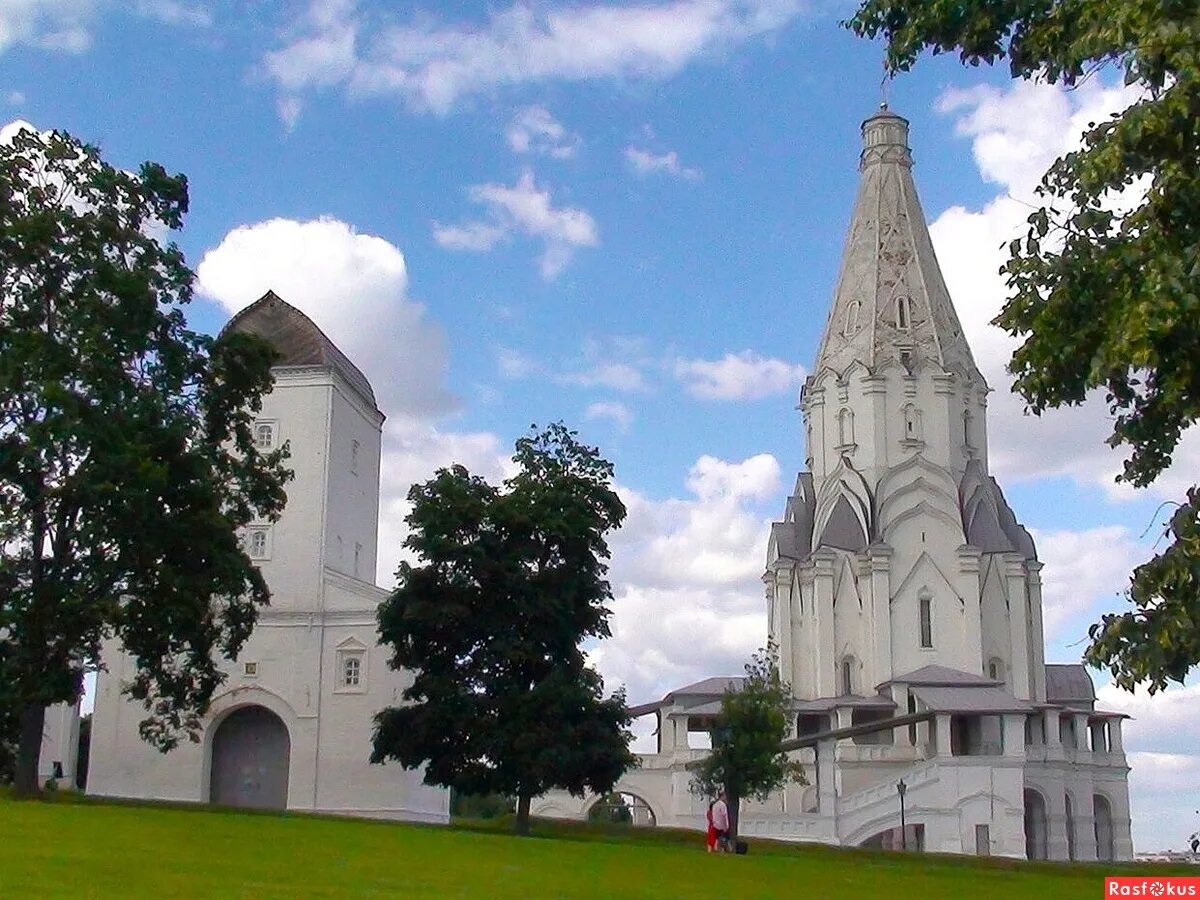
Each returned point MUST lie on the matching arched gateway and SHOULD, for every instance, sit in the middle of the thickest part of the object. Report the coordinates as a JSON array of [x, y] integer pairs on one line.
[[251, 751]]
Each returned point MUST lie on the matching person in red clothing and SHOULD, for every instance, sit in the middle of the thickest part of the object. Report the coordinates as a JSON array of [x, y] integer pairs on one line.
[[710, 840], [720, 822]]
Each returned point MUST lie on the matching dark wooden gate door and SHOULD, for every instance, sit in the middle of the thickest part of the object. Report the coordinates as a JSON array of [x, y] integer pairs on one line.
[[250, 760]]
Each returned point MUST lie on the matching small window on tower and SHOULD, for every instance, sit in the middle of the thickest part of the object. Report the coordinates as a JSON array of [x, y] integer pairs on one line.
[[354, 457], [264, 435], [847, 676], [903, 313], [357, 558]]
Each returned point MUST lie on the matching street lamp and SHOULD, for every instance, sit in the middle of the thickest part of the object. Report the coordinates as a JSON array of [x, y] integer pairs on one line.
[[901, 787]]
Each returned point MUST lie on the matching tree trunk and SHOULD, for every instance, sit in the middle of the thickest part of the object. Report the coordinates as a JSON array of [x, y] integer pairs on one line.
[[29, 751], [521, 825], [733, 800]]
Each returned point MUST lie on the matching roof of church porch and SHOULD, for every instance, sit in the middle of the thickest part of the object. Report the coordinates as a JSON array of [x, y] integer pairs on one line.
[[973, 699], [891, 298], [941, 676], [1069, 684], [297, 339]]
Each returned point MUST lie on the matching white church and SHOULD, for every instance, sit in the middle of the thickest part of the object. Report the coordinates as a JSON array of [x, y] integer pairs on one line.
[[904, 597]]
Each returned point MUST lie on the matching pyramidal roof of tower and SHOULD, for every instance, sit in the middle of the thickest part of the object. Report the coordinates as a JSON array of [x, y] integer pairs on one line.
[[296, 339], [891, 302]]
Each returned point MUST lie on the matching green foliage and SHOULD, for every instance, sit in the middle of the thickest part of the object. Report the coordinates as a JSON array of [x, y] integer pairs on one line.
[[508, 583], [746, 760], [126, 458], [1105, 286], [479, 806]]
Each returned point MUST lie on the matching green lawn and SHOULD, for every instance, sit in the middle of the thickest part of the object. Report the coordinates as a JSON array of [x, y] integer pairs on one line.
[[87, 849]]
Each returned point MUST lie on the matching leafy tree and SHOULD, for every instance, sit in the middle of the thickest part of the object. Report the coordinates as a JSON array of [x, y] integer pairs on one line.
[[126, 459], [746, 760], [509, 581], [1105, 285]]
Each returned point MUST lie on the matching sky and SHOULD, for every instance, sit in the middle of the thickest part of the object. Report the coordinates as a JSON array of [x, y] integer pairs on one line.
[[624, 215]]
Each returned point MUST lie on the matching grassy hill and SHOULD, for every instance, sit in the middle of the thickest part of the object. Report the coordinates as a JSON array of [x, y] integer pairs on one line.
[[90, 849]]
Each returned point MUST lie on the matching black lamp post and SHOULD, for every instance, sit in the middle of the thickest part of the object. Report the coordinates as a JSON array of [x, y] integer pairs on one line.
[[901, 787]]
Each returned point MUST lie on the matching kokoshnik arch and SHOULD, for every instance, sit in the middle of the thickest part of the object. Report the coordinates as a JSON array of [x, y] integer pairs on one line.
[[899, 583]]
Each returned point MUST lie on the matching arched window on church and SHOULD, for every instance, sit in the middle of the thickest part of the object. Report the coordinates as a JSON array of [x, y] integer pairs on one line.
[[995, 669], [967, 428], [850, 325], [925, 618], [845, 427], [847, 675], [903, 313], [912, 422]]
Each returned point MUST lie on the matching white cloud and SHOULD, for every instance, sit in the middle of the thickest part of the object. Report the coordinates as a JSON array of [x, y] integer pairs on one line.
[[434, 66], [471, 236], [534, 130], [15, 98], [354, 286], [289, 111], [525, 209], [1016, 133], [619, 376], [665, 638], [1166, 721], [617, 413], [1084, 569], [47, 24], [737, 376], [644, 162], [1160, 745], [325, 55], [66, 25], [685, 574], [617, 363], [515, 364]]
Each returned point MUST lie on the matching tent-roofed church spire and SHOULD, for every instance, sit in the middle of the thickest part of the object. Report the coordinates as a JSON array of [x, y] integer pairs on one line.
[[890, 298]]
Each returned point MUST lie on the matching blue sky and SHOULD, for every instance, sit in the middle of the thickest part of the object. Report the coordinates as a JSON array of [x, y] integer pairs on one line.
[[626, 215]]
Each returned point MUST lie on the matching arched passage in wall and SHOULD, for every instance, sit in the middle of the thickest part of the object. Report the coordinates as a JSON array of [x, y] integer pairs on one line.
[[1102, 816], [1035, 825], [251, 756], [622, 808]]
